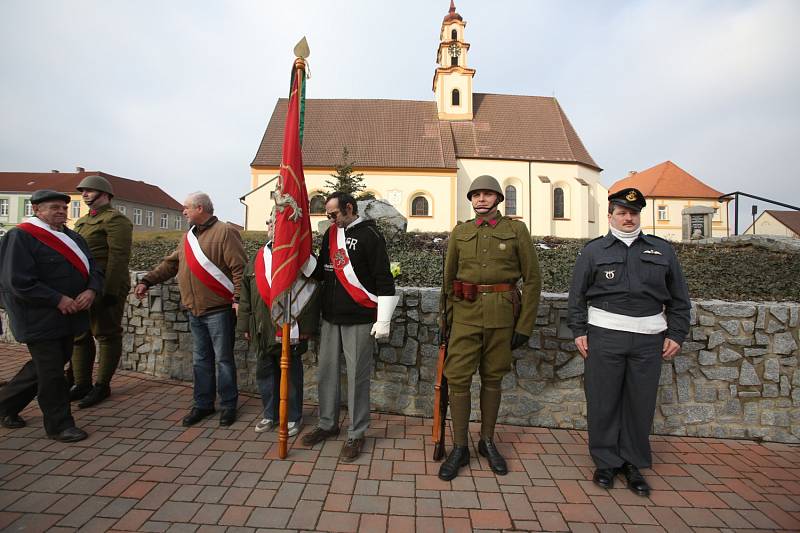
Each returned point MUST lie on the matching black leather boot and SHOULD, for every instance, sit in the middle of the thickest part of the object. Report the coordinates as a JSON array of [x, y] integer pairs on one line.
[[99, 392], [487, 449], [458, 457], [635, 479], [604, 477], [78, 392]]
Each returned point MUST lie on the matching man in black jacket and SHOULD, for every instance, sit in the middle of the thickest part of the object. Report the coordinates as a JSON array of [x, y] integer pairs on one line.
[[628, 309], [48, 280], [357, 301]]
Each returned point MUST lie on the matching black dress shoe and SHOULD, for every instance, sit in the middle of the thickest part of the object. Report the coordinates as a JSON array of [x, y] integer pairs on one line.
[[635, 480], [458, 457], [72, 434], [227, 417], [12, 422], [604, 477], [99, 392], [77, 392], [196, 415], [496, 462]]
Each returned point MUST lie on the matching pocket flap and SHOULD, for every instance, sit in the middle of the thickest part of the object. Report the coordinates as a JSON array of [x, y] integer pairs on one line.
[[466, 237], [609, 259], [503, 235], [655, 259]]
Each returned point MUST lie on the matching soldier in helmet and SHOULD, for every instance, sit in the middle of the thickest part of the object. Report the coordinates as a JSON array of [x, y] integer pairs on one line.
[[628, 310], [108, 234], [486, 258]]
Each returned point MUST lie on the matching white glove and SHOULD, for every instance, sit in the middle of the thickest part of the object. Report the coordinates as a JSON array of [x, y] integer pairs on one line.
[[386, 305], [380, 329]]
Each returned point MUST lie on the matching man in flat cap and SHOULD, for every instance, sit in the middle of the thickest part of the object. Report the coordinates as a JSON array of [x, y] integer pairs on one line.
[[629, 310], [48, 281]]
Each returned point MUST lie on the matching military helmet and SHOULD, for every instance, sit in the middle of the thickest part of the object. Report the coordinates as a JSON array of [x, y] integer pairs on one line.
[[485, 183], [98, 183]]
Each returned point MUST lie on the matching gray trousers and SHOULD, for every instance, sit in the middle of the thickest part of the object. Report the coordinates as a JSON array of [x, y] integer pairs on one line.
[[621, 383], [356, 343]]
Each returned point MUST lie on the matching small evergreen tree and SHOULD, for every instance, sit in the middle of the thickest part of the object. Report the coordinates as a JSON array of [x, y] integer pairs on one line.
[[345, 180]]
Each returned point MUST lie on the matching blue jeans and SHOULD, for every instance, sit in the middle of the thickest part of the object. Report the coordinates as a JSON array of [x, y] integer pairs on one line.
[[268, 380], [212, 338]]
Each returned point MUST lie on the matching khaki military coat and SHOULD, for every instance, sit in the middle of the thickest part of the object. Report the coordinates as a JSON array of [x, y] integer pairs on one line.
[[488, 254], [109, 236]]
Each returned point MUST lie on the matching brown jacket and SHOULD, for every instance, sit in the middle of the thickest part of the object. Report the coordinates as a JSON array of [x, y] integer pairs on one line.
[[222, 244]]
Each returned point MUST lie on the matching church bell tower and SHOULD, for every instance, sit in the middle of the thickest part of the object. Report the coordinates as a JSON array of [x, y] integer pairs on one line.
[[452, 82]]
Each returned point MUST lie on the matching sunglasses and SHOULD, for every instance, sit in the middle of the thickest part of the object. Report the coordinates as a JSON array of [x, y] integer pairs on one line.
[[332, 215]]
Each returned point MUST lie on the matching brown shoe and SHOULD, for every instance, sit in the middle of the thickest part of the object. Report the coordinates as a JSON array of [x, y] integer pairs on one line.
[[318, 435], [351, 450]]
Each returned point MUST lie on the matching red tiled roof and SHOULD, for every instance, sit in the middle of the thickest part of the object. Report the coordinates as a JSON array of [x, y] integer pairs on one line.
[[409, 134], [790, 219], [666, 180], [124, 188]]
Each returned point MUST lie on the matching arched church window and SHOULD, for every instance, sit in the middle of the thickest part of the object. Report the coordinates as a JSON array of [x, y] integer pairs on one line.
[[317, 205], [453, 61], [511, 201], [456, 100], [454, 35], [419, 207], [558, 202]]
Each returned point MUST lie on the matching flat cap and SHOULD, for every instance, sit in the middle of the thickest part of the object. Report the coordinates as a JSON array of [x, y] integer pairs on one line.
[[43, 195], [630, 198]]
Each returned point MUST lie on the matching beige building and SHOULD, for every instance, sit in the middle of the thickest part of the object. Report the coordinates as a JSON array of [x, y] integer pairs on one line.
[[669, 190], [148, 206], [421, 156], [773, 222]]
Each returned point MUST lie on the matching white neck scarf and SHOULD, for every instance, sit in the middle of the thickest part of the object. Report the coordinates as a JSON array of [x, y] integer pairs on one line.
[[625, 236]]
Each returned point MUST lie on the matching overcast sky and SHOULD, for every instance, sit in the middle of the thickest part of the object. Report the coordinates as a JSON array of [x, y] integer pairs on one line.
[[179, 93]]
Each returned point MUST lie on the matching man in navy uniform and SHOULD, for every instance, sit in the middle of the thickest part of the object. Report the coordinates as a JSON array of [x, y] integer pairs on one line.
[[628, 309]]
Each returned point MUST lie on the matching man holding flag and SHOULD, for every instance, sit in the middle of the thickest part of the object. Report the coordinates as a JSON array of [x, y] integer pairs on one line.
[[208, 263], [48, 280], [257, 325]]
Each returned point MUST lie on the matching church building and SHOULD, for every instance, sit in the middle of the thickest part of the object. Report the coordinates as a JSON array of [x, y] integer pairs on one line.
[[421, 156]]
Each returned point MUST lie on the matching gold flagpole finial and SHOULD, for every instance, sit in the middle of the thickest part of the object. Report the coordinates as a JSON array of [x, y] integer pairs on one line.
[[301, 49]]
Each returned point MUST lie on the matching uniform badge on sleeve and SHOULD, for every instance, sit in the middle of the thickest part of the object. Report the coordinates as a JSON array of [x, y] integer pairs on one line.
[[609, 274]]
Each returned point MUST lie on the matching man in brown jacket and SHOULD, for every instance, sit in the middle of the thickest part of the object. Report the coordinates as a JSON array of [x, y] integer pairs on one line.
[[208, 262]]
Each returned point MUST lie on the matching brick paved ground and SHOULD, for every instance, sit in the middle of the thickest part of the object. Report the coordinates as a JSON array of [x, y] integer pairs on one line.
[[141, 471]]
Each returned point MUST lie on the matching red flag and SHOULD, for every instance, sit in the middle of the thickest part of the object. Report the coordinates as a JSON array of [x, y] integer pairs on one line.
[[291, 244]]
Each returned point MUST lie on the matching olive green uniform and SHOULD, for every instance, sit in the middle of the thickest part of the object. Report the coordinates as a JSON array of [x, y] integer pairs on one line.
[[483, 253], [108, 234]]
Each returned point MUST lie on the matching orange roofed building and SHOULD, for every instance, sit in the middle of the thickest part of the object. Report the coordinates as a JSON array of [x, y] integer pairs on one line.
[[669, 190]]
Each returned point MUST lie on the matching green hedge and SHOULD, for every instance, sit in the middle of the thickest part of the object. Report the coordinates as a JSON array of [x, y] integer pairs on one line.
[[712, 271]]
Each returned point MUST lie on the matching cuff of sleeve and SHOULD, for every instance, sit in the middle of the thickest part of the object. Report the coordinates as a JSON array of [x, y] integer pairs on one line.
[[579, 332]]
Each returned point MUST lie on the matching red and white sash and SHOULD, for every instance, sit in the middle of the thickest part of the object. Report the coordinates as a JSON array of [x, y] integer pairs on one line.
[[302, 290], [207, 272], [263, 268], [58, 241], [340, 260]]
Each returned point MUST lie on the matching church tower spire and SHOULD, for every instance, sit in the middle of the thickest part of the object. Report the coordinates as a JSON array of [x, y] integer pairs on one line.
[[452, 81]]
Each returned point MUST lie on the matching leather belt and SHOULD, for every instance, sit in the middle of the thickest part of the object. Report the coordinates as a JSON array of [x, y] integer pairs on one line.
[[496, 287]]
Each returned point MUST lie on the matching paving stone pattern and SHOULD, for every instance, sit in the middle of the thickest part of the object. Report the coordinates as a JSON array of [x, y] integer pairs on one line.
[[140, 470]]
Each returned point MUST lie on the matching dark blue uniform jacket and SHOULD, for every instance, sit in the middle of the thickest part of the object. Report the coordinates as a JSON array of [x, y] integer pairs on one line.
[[641, 280]]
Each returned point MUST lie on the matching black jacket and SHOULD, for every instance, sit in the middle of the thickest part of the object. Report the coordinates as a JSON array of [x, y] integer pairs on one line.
[[366, 248], [641, 280], [33, 277]]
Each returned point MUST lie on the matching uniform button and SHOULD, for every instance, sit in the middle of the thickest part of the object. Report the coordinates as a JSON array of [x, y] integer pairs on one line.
[[485, 236], [483, 265], [485, 250]]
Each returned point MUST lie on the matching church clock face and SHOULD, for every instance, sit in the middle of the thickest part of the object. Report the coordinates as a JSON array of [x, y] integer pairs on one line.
[[454, 50]]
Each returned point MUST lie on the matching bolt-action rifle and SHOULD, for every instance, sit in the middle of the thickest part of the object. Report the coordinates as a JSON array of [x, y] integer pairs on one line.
[[440, 394]]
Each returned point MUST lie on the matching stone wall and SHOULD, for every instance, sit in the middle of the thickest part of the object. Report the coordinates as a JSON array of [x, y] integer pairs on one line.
[[735, 377]]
